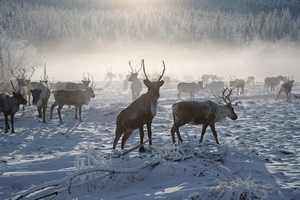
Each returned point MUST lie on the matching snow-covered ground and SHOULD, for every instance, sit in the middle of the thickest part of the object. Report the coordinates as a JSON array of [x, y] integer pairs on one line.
[[258, 157]]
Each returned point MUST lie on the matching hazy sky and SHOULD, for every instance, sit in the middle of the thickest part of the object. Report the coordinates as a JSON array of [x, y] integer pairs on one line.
[[182, 61]]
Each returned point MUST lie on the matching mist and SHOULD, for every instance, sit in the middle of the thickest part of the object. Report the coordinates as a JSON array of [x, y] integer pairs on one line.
[[185, 62]]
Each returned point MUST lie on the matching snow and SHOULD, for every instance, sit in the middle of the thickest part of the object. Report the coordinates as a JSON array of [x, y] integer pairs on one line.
[[258, 157]]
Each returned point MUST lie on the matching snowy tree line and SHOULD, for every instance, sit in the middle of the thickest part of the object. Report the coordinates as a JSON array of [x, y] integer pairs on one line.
[[182, 21], [25, 24]]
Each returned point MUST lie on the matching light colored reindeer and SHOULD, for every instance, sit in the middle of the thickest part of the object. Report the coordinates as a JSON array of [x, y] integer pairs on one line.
[[237, 84], [136, 85], [40, 96], [271, 82], [191, 88], [206, 113], [77, 98], [75, 86], [286, 88], [140, 112]]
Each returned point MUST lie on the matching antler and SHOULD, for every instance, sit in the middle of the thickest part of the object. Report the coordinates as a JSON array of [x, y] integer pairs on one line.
[[31, 73], [12, 72], [143, 65], [129, 62], [13, 87], [163, 71], [224, 97]]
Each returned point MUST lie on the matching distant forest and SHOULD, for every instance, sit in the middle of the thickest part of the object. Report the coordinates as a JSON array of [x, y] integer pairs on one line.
[[236, 22]]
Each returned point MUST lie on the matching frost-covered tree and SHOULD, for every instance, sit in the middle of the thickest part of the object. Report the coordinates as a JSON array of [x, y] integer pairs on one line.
[[15, 55]]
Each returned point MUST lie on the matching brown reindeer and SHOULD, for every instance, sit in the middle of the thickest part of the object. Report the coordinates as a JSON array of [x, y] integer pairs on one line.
[[139, 112], [206, 113]]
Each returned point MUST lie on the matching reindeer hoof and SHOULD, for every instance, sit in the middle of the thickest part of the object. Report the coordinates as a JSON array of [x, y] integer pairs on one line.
[[142, 149]]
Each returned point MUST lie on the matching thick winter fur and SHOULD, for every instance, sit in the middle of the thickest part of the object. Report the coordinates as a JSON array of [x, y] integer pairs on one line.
[[9, 105], [286, 88], [238, 83], [77, 98], [138, 113], [196, 113], [40, 96], [136, 86], [190, 88]]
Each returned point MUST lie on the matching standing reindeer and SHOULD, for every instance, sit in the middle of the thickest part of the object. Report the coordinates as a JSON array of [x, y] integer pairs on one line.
[[238, 83], [286, 88], [79, 86], [206, 113], [191, 88], [40, 96], [9, 105], [136, 85], [140, 112]]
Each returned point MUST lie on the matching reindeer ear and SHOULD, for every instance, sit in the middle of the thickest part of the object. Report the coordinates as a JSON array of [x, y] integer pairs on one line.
[[147, 82], [161, 83]]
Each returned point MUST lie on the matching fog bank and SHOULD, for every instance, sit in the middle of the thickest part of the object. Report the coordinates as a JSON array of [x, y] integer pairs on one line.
[[183, 62]]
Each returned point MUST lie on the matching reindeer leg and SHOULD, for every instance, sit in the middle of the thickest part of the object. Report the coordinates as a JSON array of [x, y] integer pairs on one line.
[[12, 116], [126, 135], [176, 129], [76, 110], [6, 123], [213, 129], [44, 111], [142, 149], [59, 115], [204, 127], [52, 107], [119, 132], [149, 132], [40, 111], [79, 112]]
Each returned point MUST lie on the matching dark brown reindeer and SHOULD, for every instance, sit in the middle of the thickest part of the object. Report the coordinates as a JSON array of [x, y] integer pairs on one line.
[[206, 113], [9, 105], [139, 112]]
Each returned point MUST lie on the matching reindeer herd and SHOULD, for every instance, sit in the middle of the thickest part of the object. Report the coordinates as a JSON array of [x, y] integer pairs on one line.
[[143, 108]]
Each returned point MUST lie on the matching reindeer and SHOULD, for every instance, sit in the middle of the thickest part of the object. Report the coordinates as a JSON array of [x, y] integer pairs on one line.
[[24, 83], [215, 86], [205, 78], [136, 85], [250, 80], [237, 83], [206, 113], [40, 96], [272, 82], [79, 86], [9, 105], [78, 98], [287, 88], [139, 112], [190, 88]]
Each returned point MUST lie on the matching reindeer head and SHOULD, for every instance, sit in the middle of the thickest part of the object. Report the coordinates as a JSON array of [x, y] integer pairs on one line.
[[153, 86], [228, 103], [133, 74], [86, 80]]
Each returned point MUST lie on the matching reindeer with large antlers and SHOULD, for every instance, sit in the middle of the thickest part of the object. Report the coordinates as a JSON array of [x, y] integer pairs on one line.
[[136, 85], [140, 112], [206, 113]]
